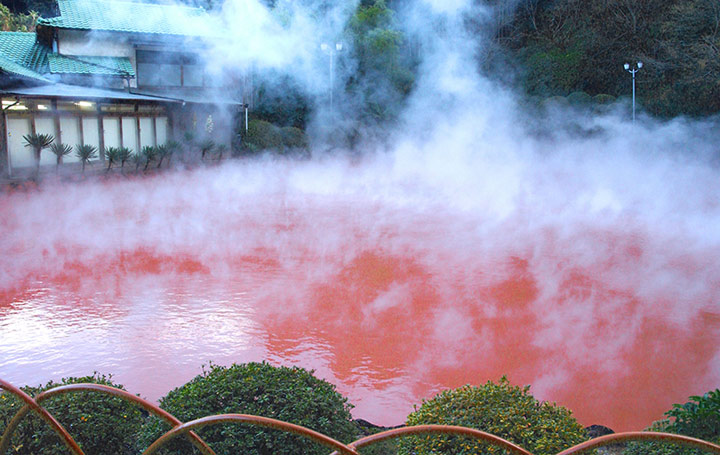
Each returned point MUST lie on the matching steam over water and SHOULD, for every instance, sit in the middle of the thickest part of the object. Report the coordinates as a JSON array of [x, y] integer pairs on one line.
[[473, 245], [392, 280]]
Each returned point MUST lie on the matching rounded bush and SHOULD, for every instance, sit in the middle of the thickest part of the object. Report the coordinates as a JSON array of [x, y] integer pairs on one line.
[[604, 98], [293, 395], [294, 138], [99, 423], [698, 418], [579, 99], [262, 135], [556, 101], [501, 409]]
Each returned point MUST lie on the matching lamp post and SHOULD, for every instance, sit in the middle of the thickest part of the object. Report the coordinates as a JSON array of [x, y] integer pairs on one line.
[[632, 71], [331, 50]]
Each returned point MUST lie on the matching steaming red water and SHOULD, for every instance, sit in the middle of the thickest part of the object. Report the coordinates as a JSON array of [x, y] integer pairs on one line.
[[388, 301]]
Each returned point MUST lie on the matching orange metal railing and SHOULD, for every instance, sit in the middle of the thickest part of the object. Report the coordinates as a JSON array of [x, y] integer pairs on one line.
[[32, 404]]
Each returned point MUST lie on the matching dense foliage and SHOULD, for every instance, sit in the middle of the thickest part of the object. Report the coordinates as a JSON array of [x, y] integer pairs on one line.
[[280, 100], [563, 46], [100, 424], [45, 8], [17, 22], [290, 394], [384, 72], [263, 135], [698, 418], [293, 138], [508, 411]]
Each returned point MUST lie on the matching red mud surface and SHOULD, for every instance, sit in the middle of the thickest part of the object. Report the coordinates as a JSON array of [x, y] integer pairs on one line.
[[389, 302]]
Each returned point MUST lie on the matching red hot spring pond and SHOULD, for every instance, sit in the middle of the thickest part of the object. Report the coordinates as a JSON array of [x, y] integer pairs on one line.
[[391, 285]]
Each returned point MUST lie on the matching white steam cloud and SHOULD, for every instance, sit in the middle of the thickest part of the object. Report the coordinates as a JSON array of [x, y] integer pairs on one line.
[[560, 249]]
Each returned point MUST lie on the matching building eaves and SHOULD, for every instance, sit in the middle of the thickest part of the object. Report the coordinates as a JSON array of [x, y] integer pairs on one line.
[[67, 91]]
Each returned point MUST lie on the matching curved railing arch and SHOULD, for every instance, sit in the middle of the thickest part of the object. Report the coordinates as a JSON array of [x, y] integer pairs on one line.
[[54, 424], [439, 429], [574, 450], [114, 391], [252, 420], [179, 428], [648, 436]]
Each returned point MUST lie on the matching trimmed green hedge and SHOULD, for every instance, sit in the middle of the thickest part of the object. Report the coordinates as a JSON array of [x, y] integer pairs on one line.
[[604, 98], [579, 99], [294, 138], [502, 409], [290, 394], [262, 135], [100, 424]]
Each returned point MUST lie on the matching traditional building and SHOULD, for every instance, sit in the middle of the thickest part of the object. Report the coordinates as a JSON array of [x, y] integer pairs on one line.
[[111, 73]]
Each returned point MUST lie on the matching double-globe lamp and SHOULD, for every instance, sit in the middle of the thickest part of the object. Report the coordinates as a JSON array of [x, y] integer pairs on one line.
[[632, 71], [331, 50]]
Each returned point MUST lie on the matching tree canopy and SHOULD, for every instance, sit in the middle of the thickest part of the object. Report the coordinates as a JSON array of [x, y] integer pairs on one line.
[[563, 46]]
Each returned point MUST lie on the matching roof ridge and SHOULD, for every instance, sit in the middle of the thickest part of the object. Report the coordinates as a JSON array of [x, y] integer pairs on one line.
[[16, 33], [128, 16], [143, 2]]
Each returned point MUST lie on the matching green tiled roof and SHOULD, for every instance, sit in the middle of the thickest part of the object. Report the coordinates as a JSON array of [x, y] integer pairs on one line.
[[23, 49], [80, 64], [8, 66], [129, 16], [21, 54]]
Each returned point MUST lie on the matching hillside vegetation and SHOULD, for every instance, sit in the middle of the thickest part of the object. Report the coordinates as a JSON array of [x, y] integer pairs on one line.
[[565, 46]]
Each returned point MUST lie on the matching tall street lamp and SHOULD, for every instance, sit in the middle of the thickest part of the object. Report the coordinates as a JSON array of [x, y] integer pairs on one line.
[[330, 50], [632, 71]]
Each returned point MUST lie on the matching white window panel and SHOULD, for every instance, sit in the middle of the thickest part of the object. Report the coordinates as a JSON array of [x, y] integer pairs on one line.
[[91, 134], [161, 126], [70, 133], [129, 133], [46, 125], [111, 131], [147, 132], [20, 156]]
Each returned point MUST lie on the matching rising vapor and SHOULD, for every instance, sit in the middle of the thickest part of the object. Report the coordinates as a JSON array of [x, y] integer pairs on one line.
[[578, 253]]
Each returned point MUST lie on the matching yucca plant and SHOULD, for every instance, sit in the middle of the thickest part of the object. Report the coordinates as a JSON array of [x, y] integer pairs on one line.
[[60, 150], [189, 137], [137, 159], [206, 147], [125, 155], [162, 153], [172, 147], [112, 155], [85, 152], [149, 153], [220, 149], [189, 144], [38, 142]]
